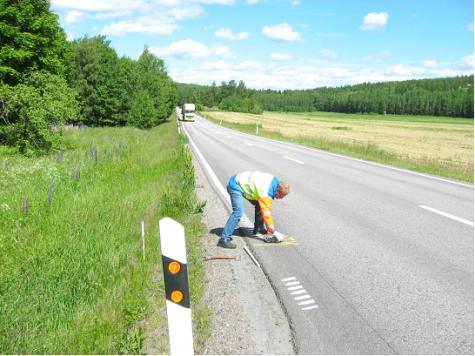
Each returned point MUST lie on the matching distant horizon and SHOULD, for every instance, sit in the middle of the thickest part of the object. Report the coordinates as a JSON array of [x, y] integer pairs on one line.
[[339, 86], [285, 44]]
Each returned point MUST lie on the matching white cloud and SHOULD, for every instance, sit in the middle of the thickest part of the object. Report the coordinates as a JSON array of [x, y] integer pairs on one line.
[[73, 16], [252, 2], [218, 65], [378, 57], [144, 24], [112, 14], [281, 32], [227, 34], [404, 70], [97, 5], [294, 2], [249, 65], [469, 27], [298, 76], [375, 21], [280, 56], [182, 13], [326, 52], [429, 63], [469, 61], [191, 49], [118, 5]]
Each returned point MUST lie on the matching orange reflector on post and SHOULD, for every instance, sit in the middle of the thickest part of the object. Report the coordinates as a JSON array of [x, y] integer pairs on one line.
[[174, 267], [176, 296]]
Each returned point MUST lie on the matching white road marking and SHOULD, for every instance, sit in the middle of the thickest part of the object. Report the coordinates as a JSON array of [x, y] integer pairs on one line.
[[293, 159], [288, 279], [447, 215], [292, 283], [316, 150], [310, 307], [299, 292], [295, 288], [307, 302], [302, 297], [248, 143]]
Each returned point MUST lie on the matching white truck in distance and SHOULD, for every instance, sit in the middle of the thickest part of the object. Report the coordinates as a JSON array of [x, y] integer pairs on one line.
[[188, 112]]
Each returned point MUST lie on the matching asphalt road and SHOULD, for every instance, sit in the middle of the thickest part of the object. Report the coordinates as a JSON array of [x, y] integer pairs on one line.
[[381, 260]]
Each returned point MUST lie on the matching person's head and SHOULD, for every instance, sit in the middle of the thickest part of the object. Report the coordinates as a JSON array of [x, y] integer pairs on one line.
[[282, 190]]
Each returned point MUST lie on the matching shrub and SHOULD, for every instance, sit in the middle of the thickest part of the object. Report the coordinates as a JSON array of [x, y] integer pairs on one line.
[[32, 113]]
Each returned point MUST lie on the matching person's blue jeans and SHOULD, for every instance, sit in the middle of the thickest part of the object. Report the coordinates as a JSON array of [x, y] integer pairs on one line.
[[237, 203]]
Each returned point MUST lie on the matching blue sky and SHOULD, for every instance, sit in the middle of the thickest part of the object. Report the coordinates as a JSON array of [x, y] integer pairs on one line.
[[285, 44]]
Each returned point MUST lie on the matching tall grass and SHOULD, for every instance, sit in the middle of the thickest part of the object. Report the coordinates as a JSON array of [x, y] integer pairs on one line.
[[72, 277], [369, 152]]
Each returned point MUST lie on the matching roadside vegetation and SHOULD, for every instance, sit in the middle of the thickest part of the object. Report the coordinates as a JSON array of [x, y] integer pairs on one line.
[[72, 278], [436, 145]]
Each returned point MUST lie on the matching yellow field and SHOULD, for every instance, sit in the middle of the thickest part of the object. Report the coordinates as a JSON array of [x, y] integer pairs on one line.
[[445, 140]]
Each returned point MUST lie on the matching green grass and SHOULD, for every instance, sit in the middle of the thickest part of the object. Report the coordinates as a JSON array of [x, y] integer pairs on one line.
[[72, 277], [369, 152]]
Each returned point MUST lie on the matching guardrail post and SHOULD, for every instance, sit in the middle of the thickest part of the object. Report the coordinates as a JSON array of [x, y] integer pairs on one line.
[[172, 241]]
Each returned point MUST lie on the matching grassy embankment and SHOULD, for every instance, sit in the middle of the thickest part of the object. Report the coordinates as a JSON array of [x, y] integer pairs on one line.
[[436, 145], [72, 277]]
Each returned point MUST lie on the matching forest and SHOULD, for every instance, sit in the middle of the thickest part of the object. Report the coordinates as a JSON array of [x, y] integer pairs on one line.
[[47, 81], [438, 97]]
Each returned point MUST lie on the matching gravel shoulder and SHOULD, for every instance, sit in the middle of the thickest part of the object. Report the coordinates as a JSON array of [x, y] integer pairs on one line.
[[247, 317]]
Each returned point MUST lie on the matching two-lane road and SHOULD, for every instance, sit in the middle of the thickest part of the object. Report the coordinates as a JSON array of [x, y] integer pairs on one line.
[[382, 258]]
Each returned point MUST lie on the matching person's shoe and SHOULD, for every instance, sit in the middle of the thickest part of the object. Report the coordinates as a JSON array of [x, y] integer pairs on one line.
[[226, 244]]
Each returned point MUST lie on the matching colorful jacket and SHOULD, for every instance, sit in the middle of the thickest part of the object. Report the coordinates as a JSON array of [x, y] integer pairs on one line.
[[260, 187]]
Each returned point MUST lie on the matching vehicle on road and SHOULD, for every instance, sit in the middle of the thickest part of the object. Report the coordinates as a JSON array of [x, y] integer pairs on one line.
[[188, 112], [178, 112]]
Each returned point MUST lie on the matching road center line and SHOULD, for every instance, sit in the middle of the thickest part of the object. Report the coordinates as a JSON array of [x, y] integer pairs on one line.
[[293, 159], [447, 215]]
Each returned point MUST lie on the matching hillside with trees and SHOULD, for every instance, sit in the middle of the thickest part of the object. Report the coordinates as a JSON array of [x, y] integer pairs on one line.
[[440, 97], [47, 81]]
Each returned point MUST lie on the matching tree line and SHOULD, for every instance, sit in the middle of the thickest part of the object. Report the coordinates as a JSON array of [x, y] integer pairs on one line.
[[47, 81], [440, 97]]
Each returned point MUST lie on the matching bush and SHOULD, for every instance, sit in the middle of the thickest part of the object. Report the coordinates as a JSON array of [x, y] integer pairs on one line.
[[142, 112], [33, 113]]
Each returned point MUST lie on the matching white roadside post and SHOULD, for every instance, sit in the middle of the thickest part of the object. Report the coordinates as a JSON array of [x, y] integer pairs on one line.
[[257, 128], [172, 241]]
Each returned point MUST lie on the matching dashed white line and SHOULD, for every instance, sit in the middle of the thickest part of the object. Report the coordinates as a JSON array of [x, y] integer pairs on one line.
[[293, 159], [310, 307], [302, 297], [303, 300], [248, 143], [292, 283], [307, 302], [447, 215], [288, 279]]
